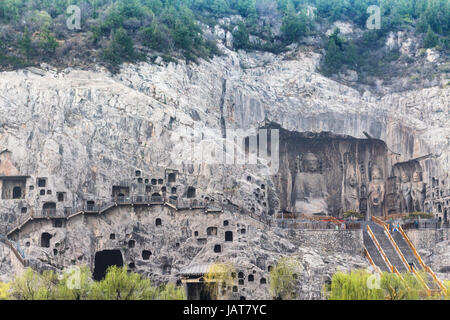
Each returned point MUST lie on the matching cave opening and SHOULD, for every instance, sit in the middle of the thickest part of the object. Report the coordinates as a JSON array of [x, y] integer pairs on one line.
[[105, 259], [191, 192], [228, 236], [45, 240], [17, 193]]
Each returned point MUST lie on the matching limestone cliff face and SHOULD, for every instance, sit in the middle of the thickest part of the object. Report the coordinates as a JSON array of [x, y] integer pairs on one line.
[[87, 131]]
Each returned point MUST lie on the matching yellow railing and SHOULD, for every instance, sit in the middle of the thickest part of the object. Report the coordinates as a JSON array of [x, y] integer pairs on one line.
[[436, 279], [424, 284], [374, 239], [380, 222], [413, 248], [425, 267], [377, 269]]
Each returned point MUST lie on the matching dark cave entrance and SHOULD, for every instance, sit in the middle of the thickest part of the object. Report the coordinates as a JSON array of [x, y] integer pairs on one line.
[[103, 260], [200, 291]]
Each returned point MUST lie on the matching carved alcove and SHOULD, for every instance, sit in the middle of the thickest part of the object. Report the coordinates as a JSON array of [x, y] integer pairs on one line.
[[410, 189], [329, 174]]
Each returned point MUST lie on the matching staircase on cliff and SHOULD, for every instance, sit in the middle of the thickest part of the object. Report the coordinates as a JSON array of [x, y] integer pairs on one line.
[[392, 251], [373, 253], [388, 247]]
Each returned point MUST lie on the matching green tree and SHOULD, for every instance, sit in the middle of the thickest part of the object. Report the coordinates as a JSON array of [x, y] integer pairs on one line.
[[9, 10], [156, 36], [220, 277], [431, 40], [283, 278], [246, 8], [74, 284], [241, 37], [120, 48], [42, 20], [333, 56], [362, 285], [294, 26], [31, 286], [121, 285], [4, 291], [25, 44], [48, 42], [170, 292]]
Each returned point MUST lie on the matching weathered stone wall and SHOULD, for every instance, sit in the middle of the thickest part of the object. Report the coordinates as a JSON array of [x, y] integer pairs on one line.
[[326, 241], [428, 238], [433, 246]]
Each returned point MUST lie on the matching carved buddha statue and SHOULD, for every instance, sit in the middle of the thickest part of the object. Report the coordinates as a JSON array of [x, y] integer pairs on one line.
[[351, 190], [376, 192], [418, 191], [309, 189], [406, 192]]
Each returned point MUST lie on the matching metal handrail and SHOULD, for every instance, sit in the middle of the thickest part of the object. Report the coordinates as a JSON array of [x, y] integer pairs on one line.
[[377, 269], [425, 267]]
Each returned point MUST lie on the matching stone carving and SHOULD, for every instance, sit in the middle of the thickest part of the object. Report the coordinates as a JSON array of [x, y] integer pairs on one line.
[[350, 184], [363, 199], [418, 192], [406, 192], [309, 191], [376, 192]]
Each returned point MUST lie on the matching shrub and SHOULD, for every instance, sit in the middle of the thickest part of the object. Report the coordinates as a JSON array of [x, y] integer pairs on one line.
[[431, 40], [4, 291], [362, 285], [48, 42], [283, 279], [220, 275]]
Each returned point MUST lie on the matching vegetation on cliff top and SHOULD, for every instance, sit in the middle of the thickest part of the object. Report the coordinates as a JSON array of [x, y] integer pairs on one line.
[[115, 31]]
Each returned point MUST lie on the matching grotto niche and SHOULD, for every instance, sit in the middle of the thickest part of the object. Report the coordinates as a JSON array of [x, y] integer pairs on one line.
[[329, 174], [408, 179]]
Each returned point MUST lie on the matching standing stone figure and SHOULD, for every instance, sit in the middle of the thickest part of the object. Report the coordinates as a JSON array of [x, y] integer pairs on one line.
[[376, 192], [418, 192], [309, 193], [351, 199], [406, 192]]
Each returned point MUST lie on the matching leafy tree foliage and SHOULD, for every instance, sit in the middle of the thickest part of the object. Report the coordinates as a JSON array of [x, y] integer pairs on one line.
[[431, 39], [171, 27], [48, 42], [219, 277], [339, 53], [118, 284], [283, 278], [294, 26], [4, 291], [363, 285]]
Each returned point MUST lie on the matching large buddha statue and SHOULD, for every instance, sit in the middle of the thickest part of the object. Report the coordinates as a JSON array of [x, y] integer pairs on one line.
[[376, 192], [309, 191], [418, 192], [406, 192]]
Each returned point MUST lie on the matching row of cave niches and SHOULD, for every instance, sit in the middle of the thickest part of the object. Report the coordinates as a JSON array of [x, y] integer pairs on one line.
[[259, 194], [211, 231], [14, 188]]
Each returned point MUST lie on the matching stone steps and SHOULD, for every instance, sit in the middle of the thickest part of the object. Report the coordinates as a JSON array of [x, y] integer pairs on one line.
[[406, 250], [388, 247], [374, 253]]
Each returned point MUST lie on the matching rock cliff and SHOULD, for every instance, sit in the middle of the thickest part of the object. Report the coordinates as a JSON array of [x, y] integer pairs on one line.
[[69, 137]]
